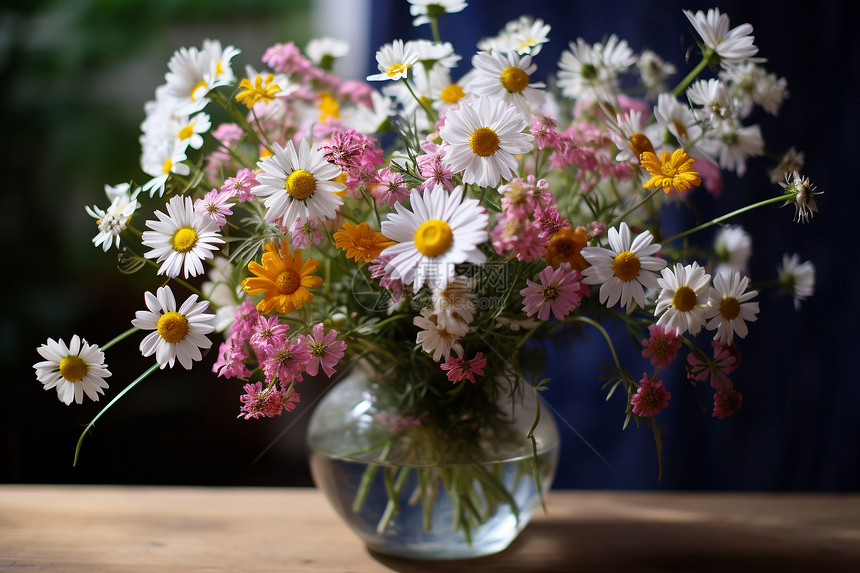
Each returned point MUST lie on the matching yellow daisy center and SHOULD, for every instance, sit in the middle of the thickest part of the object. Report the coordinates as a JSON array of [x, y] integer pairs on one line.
[[484, 142], [397, 68], [626, 266], [433, 237], [72, 368], [514, 79], [301, 184], [639, 144], [288, 282], [172, 327], [681, 129], [186, 132], [184, 239], [452, 94], [685, 299], [167, 166], [730, 308], [550, 292]]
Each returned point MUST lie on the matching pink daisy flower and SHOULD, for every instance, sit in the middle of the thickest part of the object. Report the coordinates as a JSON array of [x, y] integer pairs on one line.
[[229, 363], [559, 291], [287, 362], [244, 322], [662, 346], [268, 335], [325, 350], [726, 402], [545, 131], [650, 398], [260, 401], [460, 368], [306, 232], [726, 360], [215, 206], [240, 186], [389, 188]]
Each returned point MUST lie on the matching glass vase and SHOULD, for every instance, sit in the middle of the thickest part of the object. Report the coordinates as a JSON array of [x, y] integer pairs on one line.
[[414, 486]]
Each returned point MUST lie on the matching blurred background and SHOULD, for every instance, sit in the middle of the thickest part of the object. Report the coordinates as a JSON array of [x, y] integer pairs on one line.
[[75, 75]]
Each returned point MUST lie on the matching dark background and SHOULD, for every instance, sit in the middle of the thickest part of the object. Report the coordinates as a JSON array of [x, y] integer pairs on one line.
[[75, 76]]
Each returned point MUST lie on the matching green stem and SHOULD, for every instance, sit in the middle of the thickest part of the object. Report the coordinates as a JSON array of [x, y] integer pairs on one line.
[[679, 89], [434, 26], [633, 208], [105, 409], [430, 114], [727, 216], [122, 336]]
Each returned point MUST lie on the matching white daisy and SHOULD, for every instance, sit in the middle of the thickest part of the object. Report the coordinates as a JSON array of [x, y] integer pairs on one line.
[[222, 57], [455, 303], [679, 126], [297, 183], [733, 247], [368, 120], [181, 239], [394, 61], [433, 54], [713, 97], [624, 270], [733, 144], [797, 278], [439, 233], [193, 73], [436, 340], [177, 334], [524, 36], [323, 52], [114, 220], [159, 162], [683, 301], [591, 72], [425, 10], [804, 196], [729, 306], [73, 370], [731, 47], [507, 77], [632, 135], [750, 84], [444, 92], [483, 136], [654, 73], [186, 132]]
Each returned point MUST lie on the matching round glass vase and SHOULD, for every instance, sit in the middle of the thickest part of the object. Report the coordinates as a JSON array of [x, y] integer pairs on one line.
[[413, 488]]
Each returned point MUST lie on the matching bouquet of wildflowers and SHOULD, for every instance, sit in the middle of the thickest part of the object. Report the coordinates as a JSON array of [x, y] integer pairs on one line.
[[433, 220]]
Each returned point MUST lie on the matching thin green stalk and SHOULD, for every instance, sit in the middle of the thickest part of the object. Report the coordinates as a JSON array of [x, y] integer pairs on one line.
[[434, 26], [430, 114], [122, 336], [633, 208], [105, 409], [679, 89], [727, 216]]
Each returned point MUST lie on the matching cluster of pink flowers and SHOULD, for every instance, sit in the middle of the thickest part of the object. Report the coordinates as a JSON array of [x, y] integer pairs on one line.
[[288, 59], [265, 341], [433, 167], [358, 155], [726, 360], [528, 219]]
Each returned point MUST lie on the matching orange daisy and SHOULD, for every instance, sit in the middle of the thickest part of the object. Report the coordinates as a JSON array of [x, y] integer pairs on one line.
[[565, 246], [361, 242], [282, 279], [673, 172]]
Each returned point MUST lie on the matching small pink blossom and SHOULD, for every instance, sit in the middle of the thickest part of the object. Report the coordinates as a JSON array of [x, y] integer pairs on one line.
[[545, 131], [597, 229], [227, 134], [435, 172], [268, 335], [287, 362], [460, 368], [725, 362], [288, 59], [389, 188], [727, 401], [307, 232], [398, 423], [229, 363], [559, 290], [650, 398], [240, 185], [215, 206], [662, 346], [325, 350], [551, 222], [380, 269], [244, 321], [267, 401]]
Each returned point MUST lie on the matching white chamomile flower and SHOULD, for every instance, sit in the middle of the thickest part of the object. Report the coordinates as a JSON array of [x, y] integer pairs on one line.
[[678, 125], [632, 135], [433, 54], [394, 61], [194, 73], [483, 135], [159, 162], [796, 278], [436, 340], [625, 269], [731, 47], [222, 57], [187, 132], [682, 304], [113, 220], [730, 307], [733, 144], [297, 183], [654, 72], [507, 77], [733, 247], [74, 370], [455, 303], [177, 333], [713, 97], [439, 233], [750, 84], [323, 52], [369, 120], [444, 92], [591, 72], [425, 10], [181, 239], [524, 36]]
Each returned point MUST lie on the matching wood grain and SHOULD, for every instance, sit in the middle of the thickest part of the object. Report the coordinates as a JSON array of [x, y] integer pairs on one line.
[[142, 529]]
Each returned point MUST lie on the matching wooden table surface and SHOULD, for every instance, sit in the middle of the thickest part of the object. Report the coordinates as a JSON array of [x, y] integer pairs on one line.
[[141, 529]]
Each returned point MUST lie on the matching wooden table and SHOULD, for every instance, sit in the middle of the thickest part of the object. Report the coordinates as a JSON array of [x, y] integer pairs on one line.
[[135, 529]]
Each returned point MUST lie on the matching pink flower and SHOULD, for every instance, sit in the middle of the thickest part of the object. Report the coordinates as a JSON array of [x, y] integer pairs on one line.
[[266, 402], [545, 131], [244, 322], [287, 362], [435, 172], [268, 335], [389, 188], [460, 369], [398, 423], [726, 402], [214, 205], [325, 350], [229, 363], [227, 134], [240, 185], [725, 362], [304, 233], [287, 59], [379, 269], [559, 291], [650, 398], [597, 229], [551, 222], [661, 347]]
